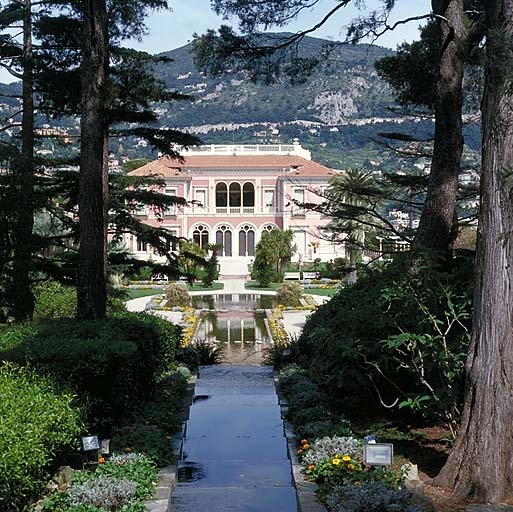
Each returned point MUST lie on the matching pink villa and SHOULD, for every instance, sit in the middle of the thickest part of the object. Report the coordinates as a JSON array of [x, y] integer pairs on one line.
[[236, 193]]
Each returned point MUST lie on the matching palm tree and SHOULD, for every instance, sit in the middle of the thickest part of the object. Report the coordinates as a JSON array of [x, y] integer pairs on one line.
[[348, 197]]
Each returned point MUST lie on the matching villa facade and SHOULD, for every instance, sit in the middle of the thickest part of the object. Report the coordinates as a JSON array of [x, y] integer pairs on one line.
[[236, 193]]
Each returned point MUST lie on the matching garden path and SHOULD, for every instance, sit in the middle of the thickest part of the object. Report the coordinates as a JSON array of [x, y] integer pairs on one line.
[[234, 452]]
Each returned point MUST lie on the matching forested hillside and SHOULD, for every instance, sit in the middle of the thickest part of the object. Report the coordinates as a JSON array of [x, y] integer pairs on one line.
[[338, 112]]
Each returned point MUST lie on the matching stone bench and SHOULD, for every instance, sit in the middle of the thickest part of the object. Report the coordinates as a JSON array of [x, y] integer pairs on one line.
[[309, 275]]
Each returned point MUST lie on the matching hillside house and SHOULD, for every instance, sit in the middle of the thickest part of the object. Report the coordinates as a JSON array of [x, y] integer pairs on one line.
[[236, 193]]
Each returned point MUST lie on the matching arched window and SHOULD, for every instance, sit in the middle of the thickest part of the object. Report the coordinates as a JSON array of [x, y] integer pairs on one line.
[[246, 241], [224, 238], [269, 227], [200, 236], [248, 195], [221, 195], [235, 195]]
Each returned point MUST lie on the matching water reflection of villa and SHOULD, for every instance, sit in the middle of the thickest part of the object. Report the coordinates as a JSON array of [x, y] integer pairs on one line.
[[236, 193], [234, 319]]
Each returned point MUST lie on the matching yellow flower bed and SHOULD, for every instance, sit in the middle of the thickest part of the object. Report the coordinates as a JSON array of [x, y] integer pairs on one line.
[[191, 322], [278, 333]]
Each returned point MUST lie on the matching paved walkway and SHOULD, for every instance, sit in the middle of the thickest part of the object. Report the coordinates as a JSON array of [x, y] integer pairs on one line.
[[293, 322], [234, 453]]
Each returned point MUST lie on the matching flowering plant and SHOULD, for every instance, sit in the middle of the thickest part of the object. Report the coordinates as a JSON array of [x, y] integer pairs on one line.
[[327, 447], [336, 470], [278, 332], [190, 320], [342, 468]]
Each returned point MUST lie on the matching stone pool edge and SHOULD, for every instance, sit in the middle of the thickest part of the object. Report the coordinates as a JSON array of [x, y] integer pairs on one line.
[[168, 475], [305, 490]]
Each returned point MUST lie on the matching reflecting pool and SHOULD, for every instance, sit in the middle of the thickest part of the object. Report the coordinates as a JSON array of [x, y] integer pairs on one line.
[[236, 321]]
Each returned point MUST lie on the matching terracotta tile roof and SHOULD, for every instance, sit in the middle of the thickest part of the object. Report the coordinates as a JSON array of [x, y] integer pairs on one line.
[[167, 167]]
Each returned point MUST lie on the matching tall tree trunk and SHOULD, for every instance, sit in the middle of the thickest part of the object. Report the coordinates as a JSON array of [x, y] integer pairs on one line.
[[436, 222], [481, 462], [23, 298], [93, 185]]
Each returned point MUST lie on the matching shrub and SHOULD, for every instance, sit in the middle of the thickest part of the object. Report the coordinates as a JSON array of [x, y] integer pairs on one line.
[[412, 326], [103, 492], [54, 300], [135, 467], [325, 448], [341, 468], [263, 272], [289, 294], [36, 423], [211, 271], [208, 353], [177, 295], [112, 364], [373, 497], [301, 415], [152, 423], [148, 439], [123, 482], [314, 428]]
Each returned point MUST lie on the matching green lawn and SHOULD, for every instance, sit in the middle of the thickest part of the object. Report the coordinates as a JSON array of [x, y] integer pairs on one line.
[[253, 285], [135, 293], [196, 287], [327, 292]]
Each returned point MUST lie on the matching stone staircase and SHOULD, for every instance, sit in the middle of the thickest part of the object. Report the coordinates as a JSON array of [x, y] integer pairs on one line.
[[234, 268]]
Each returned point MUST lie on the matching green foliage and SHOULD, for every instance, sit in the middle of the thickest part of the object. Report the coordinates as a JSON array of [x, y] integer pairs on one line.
[[36, 423], [123, 482], [341, 468], [148, 439], [54, 300], [373, 496], [272, 254], [399, 334], [131, 466], [289, 294], [200, 353], [131, 165], [211, 268], [262, 271], [191, 258], [142, 274], [112, 365], [309, 406], [153, 422], [412, 71], [177, 295]]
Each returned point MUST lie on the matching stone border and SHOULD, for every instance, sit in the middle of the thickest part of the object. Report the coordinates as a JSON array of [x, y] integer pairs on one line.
[[168, 475], [305, 490]]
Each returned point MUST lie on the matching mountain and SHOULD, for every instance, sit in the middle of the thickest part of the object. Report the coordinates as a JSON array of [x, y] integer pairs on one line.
[[344, 87], [337, 113]]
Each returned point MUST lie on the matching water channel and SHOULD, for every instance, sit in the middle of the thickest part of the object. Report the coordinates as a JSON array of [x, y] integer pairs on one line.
[[235, 321], [234, 454]]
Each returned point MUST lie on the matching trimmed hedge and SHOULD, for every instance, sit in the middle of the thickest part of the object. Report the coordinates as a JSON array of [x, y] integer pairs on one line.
[[112, 364], [36, 421]]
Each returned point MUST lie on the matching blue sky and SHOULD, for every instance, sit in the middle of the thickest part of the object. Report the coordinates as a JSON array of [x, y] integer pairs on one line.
[[172, 29]]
